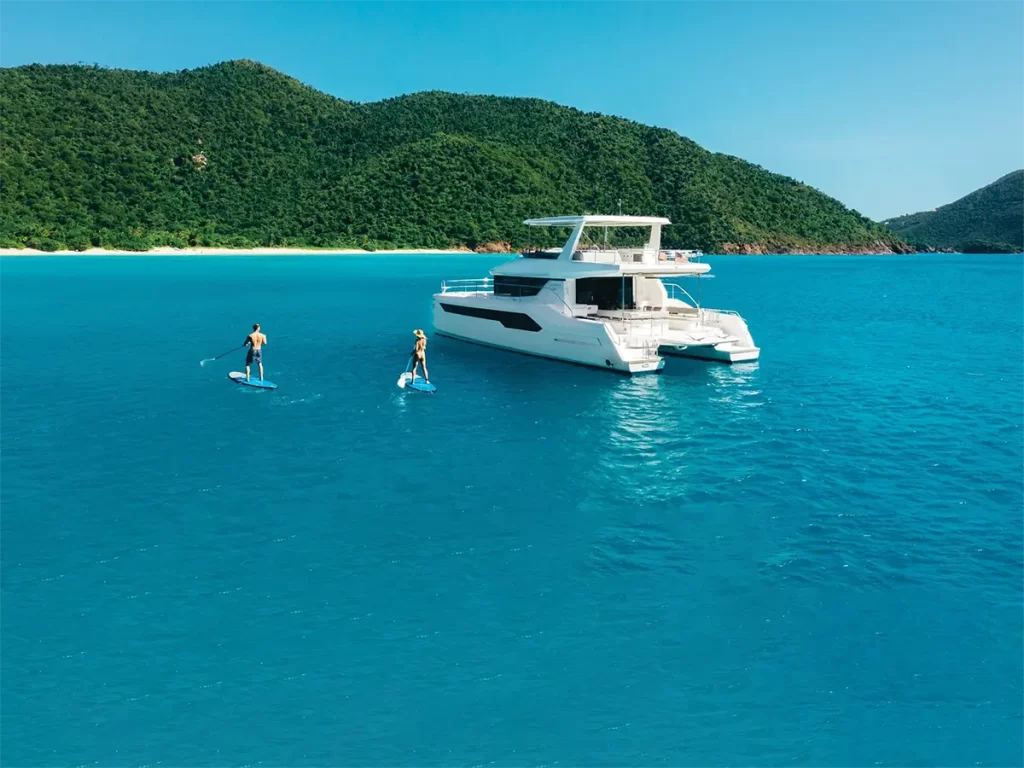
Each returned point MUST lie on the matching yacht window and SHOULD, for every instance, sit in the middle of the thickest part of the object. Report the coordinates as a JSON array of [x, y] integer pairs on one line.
[[606, 292], [518, 286]]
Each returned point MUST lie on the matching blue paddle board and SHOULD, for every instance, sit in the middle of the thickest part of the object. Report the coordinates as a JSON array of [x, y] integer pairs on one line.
[[420, 385], [239, 378]]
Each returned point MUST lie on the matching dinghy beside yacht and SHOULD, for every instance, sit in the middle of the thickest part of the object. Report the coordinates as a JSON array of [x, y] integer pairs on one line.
[[595, 304]]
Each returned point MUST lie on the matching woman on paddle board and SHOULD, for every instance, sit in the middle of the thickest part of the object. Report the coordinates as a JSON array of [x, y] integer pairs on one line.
[[419, 354]]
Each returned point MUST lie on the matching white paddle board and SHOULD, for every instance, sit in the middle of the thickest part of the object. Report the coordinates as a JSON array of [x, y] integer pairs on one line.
[[420, 385]]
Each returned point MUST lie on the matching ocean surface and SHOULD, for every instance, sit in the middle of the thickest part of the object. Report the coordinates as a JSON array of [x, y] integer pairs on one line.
[[814, 560]]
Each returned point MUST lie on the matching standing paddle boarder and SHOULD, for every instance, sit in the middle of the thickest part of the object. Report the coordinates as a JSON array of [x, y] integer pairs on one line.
[[419, 354], [255, 341]]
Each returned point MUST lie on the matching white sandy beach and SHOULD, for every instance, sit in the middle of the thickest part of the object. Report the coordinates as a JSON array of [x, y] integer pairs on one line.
[[168, 251]]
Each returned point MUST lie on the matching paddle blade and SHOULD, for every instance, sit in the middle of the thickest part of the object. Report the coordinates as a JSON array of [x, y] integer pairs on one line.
[[403, 380], [218, 357]]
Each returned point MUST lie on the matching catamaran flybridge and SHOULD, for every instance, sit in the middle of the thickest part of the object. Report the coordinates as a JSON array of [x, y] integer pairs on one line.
[[595, 304]]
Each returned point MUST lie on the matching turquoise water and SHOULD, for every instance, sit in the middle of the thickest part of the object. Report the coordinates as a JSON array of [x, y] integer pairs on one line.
[[813, 560]]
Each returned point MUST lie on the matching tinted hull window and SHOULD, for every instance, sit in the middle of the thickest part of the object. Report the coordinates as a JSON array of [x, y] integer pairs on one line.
[[516, 320]]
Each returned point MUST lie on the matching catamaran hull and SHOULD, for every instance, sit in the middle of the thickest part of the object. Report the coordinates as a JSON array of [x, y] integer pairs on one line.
[[722, 353], [710, 334], [635, 368], [540, 331]]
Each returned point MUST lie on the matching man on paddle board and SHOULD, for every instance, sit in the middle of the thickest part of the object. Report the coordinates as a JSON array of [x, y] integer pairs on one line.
[[419, 354], [254, 341]]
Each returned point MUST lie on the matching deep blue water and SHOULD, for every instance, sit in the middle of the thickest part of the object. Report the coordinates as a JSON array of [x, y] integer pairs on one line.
[[815, 560]]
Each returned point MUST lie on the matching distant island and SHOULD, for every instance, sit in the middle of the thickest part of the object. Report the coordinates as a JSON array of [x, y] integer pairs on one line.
[[989, 220], [238, 155]]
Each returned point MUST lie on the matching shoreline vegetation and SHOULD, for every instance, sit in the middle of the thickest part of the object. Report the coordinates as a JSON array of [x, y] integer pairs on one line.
[[205, 251], [238, 156]]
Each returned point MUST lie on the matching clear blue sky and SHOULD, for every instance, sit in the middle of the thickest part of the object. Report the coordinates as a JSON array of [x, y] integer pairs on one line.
[[890, 107]]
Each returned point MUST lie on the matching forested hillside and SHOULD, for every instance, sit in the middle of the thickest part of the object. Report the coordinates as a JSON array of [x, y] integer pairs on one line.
[[240, 155], [989, 220]]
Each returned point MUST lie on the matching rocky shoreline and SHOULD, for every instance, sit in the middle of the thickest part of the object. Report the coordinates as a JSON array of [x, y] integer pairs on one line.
[[877, 248]]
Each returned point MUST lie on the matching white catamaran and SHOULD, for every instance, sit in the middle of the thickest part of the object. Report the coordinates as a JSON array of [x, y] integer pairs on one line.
[[595, 304]]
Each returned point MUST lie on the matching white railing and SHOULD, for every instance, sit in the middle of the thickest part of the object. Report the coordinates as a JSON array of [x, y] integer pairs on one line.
[[627, 340], [472, 285], [638, 313], [647, 345], [703, 315], [570, 312], [642, 255], [635, 332], [679, 255], [673, 289], [616, 255]]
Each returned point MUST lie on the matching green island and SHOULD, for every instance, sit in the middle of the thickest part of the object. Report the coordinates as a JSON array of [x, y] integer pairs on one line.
[[239, 155], [989, 220]]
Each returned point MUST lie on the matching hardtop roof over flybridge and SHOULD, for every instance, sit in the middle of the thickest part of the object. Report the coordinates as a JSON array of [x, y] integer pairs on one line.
[[570, 263], [598, 221]]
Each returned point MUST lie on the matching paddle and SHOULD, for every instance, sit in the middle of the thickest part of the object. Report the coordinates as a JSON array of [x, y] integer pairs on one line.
[[218, 357], [402, 381]]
